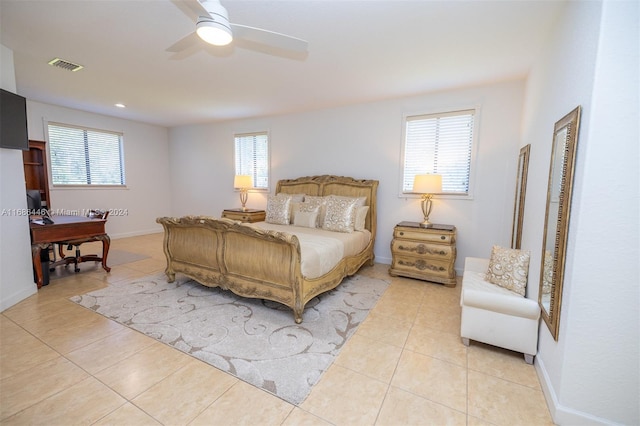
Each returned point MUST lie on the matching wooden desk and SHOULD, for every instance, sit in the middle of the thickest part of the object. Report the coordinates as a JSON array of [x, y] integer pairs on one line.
[[66, 228]]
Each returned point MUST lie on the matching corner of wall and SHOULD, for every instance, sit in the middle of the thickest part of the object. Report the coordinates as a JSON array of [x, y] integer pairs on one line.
[[16, 279]]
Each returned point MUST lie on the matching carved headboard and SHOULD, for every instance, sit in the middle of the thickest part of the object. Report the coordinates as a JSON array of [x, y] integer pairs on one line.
[[336, 185]]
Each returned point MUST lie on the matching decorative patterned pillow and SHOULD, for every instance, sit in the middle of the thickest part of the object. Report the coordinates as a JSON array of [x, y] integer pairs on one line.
[[306, 215], [307, 208], [360, 201], [340, 214], [295, 199], [278, 209], [509, 268], [317, 201]]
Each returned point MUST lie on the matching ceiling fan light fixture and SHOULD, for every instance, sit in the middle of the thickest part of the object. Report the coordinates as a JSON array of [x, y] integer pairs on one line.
[[214, 28], [214, 32]]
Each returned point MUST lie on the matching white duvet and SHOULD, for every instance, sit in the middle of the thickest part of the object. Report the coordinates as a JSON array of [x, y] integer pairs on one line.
[[321, 250]]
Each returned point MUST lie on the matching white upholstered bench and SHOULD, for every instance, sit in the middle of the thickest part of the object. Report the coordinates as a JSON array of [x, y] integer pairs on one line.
[[494, 315]]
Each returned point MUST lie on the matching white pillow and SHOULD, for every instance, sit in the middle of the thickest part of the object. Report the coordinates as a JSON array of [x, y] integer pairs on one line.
[[278, 209], [293, 210], [306, 216], [340, 214], [361, 218], [295, 198]]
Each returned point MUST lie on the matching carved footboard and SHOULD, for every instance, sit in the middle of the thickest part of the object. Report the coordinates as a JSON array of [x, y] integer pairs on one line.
[[263, 264], [248, 261]]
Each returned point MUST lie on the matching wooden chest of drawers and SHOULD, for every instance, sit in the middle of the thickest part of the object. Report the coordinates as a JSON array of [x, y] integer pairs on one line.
[[424, 253], [250, 215]]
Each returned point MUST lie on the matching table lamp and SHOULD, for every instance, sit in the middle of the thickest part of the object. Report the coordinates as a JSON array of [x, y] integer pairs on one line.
[[427, 185], [243, 182]]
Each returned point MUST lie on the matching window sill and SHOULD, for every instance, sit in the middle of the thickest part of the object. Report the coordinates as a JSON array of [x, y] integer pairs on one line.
[[87, 187], [462, 197]]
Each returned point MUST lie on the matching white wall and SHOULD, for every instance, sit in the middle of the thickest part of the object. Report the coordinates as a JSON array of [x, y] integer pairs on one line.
[[591, 374], [16, 277], [364, 141], [146, 157], [145, 197], [613, 148]]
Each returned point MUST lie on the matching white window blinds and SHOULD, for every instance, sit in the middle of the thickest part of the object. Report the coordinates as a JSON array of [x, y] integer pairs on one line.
[[252, 158], [442, 144], [81, 156]]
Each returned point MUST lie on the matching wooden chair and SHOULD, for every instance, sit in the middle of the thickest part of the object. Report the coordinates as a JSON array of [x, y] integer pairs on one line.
[[78, 258]]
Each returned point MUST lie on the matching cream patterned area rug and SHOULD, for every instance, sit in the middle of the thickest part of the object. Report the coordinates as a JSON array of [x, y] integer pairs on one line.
[[255, 340]]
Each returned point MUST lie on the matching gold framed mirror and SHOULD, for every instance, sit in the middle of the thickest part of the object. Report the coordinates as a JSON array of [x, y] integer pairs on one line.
[[521, 191], [556, 218]]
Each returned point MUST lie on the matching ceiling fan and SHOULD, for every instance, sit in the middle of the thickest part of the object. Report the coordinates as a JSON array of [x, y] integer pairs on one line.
[[213, 26]]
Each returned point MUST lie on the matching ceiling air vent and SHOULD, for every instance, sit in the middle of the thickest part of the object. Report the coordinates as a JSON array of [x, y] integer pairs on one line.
[[65, 65]]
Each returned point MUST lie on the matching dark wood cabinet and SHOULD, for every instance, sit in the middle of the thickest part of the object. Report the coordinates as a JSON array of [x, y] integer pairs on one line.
[[36, 172]]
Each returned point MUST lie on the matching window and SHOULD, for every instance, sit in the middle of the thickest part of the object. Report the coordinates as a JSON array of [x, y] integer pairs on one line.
[[442, 144], [252, 158], [81, 156]]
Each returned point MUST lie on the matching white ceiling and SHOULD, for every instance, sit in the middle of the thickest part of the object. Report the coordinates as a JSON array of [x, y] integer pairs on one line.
[[359, 51]]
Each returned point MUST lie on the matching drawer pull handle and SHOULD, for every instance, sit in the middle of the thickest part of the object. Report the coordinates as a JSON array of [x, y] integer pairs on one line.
[[422, 265], [442, 237], [401, 233], [422, 249]]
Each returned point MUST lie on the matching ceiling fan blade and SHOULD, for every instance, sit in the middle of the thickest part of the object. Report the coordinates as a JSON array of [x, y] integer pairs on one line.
[[196, 7], [269, 38], [184, 43]]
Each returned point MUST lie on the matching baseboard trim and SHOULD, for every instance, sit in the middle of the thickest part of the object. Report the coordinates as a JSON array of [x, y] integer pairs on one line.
[[136, 233], [17, 297], [560, 414]]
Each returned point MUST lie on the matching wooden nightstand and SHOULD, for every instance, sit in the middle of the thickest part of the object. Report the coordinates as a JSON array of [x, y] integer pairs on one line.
[[249, 215], [424, 253]]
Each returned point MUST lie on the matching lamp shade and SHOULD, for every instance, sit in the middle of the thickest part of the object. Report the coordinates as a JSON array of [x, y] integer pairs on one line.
[[242, 181], [427, 184]]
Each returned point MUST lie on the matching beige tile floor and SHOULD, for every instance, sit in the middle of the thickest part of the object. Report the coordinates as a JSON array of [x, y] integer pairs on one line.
[[61, 364]]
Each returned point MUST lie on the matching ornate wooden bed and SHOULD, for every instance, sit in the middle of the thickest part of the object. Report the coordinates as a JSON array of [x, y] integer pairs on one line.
[[259, 263]]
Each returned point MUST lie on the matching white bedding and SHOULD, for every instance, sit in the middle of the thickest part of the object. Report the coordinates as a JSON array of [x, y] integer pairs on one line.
[[321, 250]]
